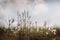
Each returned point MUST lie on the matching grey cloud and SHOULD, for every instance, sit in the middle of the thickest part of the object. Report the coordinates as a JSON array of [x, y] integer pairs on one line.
[[30, 1], [5, 3], [9, 5], [51, 0], [17, 3]]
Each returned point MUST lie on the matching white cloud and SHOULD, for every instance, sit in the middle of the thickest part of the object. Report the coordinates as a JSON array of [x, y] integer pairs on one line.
[[40, 9]]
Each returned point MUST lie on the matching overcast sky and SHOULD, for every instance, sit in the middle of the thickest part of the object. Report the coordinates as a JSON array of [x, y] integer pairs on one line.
[[39, 10]]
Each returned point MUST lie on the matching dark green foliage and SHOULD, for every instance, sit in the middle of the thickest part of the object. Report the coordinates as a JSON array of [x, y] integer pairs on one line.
[[1, 33], [7, 34], [58, 31], [28, 34]]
